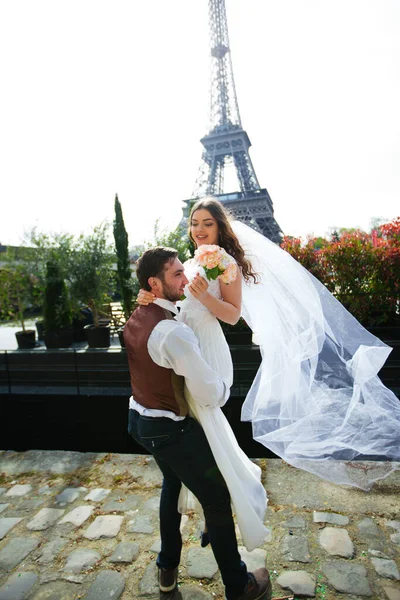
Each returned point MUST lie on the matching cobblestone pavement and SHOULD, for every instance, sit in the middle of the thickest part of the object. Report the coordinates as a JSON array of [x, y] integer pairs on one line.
[[78, 525]]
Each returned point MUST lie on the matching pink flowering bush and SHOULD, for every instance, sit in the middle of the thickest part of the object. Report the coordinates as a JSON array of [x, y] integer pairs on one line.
[[362, 270]]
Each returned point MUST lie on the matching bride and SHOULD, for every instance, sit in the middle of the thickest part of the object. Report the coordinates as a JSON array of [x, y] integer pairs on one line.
[[316, 400], [205, 303]]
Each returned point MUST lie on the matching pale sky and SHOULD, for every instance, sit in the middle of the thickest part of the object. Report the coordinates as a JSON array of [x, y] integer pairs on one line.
[[103, 97]]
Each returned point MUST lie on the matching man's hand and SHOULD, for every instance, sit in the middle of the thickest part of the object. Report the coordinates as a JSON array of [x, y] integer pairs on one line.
[[198, 288]]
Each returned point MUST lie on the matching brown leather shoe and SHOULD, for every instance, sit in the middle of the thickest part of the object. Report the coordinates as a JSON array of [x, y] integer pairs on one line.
[[259, 586], [167, 579]]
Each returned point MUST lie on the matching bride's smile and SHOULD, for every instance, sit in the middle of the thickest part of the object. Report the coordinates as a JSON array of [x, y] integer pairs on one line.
[[204, 228]]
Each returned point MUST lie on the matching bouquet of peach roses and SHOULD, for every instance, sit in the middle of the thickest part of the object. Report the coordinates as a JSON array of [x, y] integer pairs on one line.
[[216, 263]]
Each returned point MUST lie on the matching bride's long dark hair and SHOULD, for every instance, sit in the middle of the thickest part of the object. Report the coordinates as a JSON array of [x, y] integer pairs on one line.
[[226, 237]]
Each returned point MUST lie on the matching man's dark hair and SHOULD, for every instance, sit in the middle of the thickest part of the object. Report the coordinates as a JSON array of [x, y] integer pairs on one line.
[[152, 264]]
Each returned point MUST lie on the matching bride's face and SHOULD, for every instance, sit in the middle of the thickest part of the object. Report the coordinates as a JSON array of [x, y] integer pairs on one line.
[[204, 228]]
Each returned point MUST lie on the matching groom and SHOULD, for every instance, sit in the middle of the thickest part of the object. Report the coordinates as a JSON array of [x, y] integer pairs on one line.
[[163, 355]]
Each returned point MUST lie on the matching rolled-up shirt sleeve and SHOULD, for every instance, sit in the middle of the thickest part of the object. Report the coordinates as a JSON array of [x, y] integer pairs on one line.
[[174, 346]]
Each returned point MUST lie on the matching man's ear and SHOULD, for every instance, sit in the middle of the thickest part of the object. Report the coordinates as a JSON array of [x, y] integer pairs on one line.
[[154, 283]]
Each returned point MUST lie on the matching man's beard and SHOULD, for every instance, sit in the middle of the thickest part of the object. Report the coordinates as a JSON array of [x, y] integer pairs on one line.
[[170, 293]]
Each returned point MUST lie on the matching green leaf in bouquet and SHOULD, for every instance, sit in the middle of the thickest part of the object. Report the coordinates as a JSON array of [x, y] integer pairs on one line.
[[212, 273]]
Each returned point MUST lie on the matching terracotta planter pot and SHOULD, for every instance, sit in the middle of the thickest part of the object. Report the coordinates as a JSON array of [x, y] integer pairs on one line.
[[58, 339], [97, 337], [26, 340]]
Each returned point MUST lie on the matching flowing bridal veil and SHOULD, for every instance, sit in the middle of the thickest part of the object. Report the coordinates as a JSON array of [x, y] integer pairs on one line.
[[316, 401]]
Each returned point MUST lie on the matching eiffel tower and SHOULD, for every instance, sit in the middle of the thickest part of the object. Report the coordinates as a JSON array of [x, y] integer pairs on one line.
[[227, 143]]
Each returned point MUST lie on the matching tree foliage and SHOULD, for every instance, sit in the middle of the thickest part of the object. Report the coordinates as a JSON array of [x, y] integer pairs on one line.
[[123, 261], [56, 307], [92, 275], [176, 238], [18, 285]]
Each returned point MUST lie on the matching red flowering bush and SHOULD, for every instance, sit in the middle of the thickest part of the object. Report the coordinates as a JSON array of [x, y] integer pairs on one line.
[[362, 270]]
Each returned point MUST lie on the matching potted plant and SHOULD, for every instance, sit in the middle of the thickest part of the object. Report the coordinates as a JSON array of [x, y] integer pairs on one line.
[[56, 309], [16, 296], [92, 281], [46, 247]]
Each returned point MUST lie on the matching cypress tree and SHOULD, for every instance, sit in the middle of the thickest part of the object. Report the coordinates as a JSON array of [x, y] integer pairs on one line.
[[123, 264]]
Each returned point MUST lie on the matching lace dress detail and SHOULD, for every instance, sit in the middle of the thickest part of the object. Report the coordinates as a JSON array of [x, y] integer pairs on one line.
[[242, 476]]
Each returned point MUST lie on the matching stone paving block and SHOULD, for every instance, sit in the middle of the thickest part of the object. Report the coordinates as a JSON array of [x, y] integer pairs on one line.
[[395, 537], [347, 577], [7, 523], [184, 522], [125, 552], [368, 528], [331, 518], [189, 592], [393, 524], [18, 586], [27, 506], [19, 490], [61, 589], [81, 559], [46, 490], [74, 578], [392, 593], [121, 503], [295, 549], [386, 568], [106, 526], [140, 524], [69, 495], [336, 542], [148, 585], [50, 551], [45, 518], [156, 546], [152, 503], [377, 553], [77, 516], [108, 584], [200, 563], [3, 507], [254, 559], [296, 522], [2, 490], [300, 583], [97, 494], [16, 550]]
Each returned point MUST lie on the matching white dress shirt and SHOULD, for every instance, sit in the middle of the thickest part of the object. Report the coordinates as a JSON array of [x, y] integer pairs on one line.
[[173, 345]]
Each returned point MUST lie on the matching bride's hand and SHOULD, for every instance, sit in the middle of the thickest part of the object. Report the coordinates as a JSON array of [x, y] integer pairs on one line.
[[198, 287], [145, 298]]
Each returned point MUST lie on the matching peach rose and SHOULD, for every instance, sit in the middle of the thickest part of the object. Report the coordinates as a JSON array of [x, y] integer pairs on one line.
[[230, 274], [208, 256]]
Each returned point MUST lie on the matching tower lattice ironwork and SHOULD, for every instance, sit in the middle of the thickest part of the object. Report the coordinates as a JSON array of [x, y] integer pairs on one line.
[[227, 143]]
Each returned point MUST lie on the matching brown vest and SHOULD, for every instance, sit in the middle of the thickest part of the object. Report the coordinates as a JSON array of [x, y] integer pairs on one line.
[[152, 386]]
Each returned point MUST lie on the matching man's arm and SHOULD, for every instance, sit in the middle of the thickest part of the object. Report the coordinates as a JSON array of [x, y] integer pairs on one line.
[[174, 346]]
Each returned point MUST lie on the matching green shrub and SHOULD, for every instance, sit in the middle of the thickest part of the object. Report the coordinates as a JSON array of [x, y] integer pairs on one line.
[[56, 308]]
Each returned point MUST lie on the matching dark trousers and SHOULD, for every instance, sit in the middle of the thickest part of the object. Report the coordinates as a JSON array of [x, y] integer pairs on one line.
[[183, 454]]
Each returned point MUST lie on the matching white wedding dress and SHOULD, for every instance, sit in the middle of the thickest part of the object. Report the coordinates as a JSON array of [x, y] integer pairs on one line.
[[317, 400], [242, 476]]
